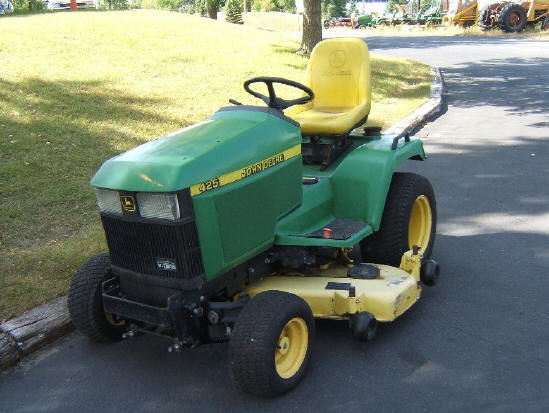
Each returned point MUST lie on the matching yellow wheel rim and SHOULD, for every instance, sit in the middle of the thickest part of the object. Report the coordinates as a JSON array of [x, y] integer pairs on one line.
[[291, 348], [111, 320], [421, 220]]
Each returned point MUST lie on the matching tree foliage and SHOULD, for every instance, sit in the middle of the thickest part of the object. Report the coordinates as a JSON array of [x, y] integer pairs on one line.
[[201, 7], [28, 5], [169, 4], [233, 11], [353, 8], [333, 8]]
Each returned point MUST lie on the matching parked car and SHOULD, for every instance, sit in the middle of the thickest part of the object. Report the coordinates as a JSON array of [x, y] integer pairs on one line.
[[66, 4], [5, 7]]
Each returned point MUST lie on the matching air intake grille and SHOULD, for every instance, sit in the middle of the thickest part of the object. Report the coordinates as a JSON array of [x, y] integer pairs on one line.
[[139, 246]]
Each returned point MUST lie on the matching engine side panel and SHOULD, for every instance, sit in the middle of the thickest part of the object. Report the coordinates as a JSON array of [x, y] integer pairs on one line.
[[237, 221]]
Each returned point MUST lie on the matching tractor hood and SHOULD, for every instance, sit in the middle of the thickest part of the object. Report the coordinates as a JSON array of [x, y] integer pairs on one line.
[[233, 138]]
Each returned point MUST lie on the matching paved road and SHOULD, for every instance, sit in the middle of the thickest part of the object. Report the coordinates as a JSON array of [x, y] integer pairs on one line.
[[476, 342]]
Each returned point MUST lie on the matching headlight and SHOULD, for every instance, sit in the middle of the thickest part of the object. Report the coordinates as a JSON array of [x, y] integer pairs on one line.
[[149, 204], [108, 201], [158, 205]]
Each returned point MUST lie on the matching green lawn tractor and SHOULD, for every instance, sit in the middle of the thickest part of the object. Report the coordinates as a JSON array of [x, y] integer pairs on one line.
[[433, 16], [248, 226]]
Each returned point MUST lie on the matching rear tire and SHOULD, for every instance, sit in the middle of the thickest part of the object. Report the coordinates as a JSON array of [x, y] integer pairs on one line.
[[271, 343], [409, 218], [512, 18], [545, 24], [485, 20], [86, 304]]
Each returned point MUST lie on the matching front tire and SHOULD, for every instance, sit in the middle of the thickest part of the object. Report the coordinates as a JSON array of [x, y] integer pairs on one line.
[[86, 304], [409, 219], [271, 343]]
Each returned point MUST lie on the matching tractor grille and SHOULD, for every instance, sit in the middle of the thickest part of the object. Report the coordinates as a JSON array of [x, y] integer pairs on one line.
[[139, 246]]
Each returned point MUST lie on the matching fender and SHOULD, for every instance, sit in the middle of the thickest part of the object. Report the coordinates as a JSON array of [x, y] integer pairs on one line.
[[361, 181], [355, 187]]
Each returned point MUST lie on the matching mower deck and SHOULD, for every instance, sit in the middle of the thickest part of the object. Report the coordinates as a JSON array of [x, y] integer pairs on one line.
[[334, 295]]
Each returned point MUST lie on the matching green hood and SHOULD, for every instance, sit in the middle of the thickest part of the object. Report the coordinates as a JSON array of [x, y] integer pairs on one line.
[[231, 139]]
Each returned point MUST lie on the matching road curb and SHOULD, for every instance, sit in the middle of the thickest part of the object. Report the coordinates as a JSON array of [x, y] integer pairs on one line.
[[28, 332], [428, 111]]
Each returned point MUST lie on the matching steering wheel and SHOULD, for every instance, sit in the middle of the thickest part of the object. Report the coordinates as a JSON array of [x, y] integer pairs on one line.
[[272, 100]]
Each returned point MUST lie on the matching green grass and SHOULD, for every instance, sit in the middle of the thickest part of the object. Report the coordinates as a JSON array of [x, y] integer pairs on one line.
[[78, 88]]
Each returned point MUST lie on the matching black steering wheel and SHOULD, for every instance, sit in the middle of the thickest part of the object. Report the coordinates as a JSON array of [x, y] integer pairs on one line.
[[272, 100]]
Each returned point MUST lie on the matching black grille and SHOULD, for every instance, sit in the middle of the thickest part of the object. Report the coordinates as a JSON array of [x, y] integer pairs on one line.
[[138, 245]]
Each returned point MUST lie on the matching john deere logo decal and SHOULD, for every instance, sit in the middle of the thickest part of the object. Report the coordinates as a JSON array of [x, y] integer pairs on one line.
[[337, 58], [128, 203]]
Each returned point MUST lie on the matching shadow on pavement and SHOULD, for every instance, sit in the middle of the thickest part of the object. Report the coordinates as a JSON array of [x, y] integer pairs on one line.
[[521, 85]]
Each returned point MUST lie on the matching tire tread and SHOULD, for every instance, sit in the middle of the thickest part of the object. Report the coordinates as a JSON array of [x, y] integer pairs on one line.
[[251, 351], [387, 245], [85, 303]]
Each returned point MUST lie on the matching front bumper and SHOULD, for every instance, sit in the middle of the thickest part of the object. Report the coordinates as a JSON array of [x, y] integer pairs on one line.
[[158, 316], [185, 314]]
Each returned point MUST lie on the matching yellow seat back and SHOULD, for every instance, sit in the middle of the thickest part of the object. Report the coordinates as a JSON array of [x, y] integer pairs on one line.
[[339, 75]]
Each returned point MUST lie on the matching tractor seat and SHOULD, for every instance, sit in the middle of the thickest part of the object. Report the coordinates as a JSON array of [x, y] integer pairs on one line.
[[339, 75]]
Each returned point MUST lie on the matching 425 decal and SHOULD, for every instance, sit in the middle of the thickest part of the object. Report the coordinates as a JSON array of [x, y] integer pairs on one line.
[[209, 185]]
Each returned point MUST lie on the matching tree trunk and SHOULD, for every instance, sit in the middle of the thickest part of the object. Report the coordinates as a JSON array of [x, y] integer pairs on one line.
[[212, 9], [312, 25]]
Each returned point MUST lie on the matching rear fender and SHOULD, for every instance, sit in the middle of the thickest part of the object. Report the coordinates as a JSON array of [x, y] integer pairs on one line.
[[361, 181]]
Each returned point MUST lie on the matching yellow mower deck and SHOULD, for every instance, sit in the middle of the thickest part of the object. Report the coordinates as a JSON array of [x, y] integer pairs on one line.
[[386, 297]]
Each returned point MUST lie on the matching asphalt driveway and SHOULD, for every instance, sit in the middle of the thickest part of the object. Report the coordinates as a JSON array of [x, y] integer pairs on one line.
[[475, 342]]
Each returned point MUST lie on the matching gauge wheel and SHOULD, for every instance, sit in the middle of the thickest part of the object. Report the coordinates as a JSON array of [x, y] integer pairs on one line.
[[409, 219], [270, 346], [85, 301]]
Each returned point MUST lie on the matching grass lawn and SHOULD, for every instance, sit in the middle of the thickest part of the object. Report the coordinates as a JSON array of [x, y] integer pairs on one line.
[[78, 88]]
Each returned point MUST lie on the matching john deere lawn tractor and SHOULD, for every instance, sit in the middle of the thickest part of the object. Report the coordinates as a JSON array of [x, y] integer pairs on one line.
[[247, 226]]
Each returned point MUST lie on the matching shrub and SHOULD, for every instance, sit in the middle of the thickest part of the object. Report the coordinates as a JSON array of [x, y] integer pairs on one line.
[[201, 7], [169, 4], [233, 11], [28, 5], [333, 8], [149, 4]]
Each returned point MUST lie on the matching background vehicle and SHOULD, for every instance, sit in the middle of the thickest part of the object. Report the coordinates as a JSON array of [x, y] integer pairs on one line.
[[64, 4], [462, 12], [514, 17], [432, 16], [5, 7]]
